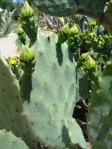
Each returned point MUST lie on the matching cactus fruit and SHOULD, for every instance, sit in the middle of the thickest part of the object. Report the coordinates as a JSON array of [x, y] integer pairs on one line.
[[27, 59], [63, 34], [100, 112], [27, 11], [51, 95], [27, 54], [66, 31], [29, 24], [74, 29], [9, 141], [21, 35], [87, 62]]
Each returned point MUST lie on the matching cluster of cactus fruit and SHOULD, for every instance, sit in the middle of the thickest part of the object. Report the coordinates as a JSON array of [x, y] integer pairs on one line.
[[37, 108], [87, 41]]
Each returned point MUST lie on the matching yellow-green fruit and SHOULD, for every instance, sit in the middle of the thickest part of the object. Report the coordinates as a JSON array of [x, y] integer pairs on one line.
[[92, 35], [88, 61], [93, 23], [84, 56], [27, 54], [65, 29], [20, 31], [74, 29], [26, 11], [63, 34]]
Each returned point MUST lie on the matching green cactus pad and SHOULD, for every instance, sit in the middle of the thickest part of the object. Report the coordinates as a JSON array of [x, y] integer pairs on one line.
[[100, 113], [9, 141], [12, 116], [50, 94], [93, 8]]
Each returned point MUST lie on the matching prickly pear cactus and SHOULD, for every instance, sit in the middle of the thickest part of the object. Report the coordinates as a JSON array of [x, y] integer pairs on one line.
[[100, 112], [51, 95], [12, 116], [9, 141], [70, 7], [39, 107]]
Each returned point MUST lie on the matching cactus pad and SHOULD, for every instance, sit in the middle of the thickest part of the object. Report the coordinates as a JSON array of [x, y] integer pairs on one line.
[[70, 7], [100, 113], [9, 141], [51, 95], [12, 117]]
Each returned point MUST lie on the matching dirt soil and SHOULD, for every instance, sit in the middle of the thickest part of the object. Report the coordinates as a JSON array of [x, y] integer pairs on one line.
[[7, 46]]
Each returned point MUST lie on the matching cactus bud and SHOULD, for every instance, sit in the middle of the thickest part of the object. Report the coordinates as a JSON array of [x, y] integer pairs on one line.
[[84, 56], [87, 61], [29, 22], [26, 11], [74, 29], [27, 54], [90, 63], [92, 34], [21, 35], [93, 23], [63, 34], [20, 31], [27, 59], [65, 29]]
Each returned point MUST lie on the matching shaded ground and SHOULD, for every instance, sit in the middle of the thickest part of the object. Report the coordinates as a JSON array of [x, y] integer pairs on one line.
[[80, 112]]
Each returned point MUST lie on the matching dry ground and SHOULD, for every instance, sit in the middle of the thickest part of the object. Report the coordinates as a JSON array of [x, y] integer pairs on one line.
[[7, 45]]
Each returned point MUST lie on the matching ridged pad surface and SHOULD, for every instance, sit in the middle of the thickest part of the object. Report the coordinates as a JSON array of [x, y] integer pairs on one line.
[[9, 141], [52, 94], [92, 8]]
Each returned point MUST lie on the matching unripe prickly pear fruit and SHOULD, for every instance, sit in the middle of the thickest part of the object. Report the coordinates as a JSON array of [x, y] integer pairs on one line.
[[27, 59], [90, 63], [73, 38], [63, 34], [29, 21], [87, 62], [93, 23], [92, 35], [26, 11], [84, 56], [20, 31], [74, 29], [21, 35], [27, 54]]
